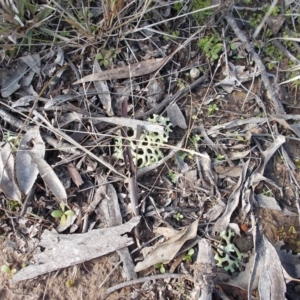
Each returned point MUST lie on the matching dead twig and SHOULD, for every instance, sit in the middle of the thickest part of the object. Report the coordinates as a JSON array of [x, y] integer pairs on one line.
[[73, 142], [172, 98], [142, 280], [261, 67]]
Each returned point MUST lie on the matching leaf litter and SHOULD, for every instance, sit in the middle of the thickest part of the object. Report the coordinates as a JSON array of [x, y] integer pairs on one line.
[[224, 160]]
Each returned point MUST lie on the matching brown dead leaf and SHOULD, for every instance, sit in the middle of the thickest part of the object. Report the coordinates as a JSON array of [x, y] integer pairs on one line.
[[74, 174], [134, 70], [166, 251], [7, 181], [49, 177]]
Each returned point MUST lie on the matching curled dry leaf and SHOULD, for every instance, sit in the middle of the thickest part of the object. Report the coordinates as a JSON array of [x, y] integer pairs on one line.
[[232, 203], [7, 179], [134, 70], [49, 177], [166, 251], [10, 80], [26, 169]]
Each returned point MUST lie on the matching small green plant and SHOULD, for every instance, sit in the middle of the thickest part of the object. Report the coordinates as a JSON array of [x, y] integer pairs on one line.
[[211, 45], [178, 216], [212, 108], [62, 213], [267, 192], [105, 56], [173, 176], [173, 36], [13, 205], [8, 270], [195, 139], [200, 16], [161, 267], [13, 140], [220, 157], [188, 256], [70, 283]]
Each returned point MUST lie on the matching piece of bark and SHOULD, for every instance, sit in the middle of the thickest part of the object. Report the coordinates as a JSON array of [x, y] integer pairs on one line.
[[112, 214], [64, 250], [204, 274]]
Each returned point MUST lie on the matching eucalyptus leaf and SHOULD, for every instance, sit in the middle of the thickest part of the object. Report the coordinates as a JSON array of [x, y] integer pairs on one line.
[[26, 169], [49, 177]]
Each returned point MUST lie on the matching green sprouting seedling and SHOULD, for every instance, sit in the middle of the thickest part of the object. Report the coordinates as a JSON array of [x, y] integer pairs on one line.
[[8, 270], [62, 213], [173, 176], [70, 283], [220, 157], [84, 13], [212, 108], [211, 45], [13, 140], [200, 16], [222, 256], [178, 216], [297, 163], [183, 155], [188, 256], [174, 35], [267, 192], [105, 56], [13, 205], [195, 139], [161, 267], [178, 6]]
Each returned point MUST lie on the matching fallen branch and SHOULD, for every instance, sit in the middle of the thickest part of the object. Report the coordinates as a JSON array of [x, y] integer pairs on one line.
[[64, 250]]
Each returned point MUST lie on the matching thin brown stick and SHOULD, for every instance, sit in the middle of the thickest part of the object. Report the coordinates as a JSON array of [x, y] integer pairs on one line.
[[172, 98]]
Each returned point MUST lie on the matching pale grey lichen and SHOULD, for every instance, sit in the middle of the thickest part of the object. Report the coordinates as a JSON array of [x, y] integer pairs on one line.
[[222, 257], [147, 150]]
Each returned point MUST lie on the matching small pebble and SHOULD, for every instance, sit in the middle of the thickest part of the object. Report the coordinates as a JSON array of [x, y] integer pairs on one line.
[[194, 73]]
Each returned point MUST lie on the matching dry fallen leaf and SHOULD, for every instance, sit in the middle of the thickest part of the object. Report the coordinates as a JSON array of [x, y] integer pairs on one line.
[[7, 179], [166, 251], [10, 80], [49, 177], [134, 70], [176, 116], [102, 90], [74, 174], [26, 169]]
